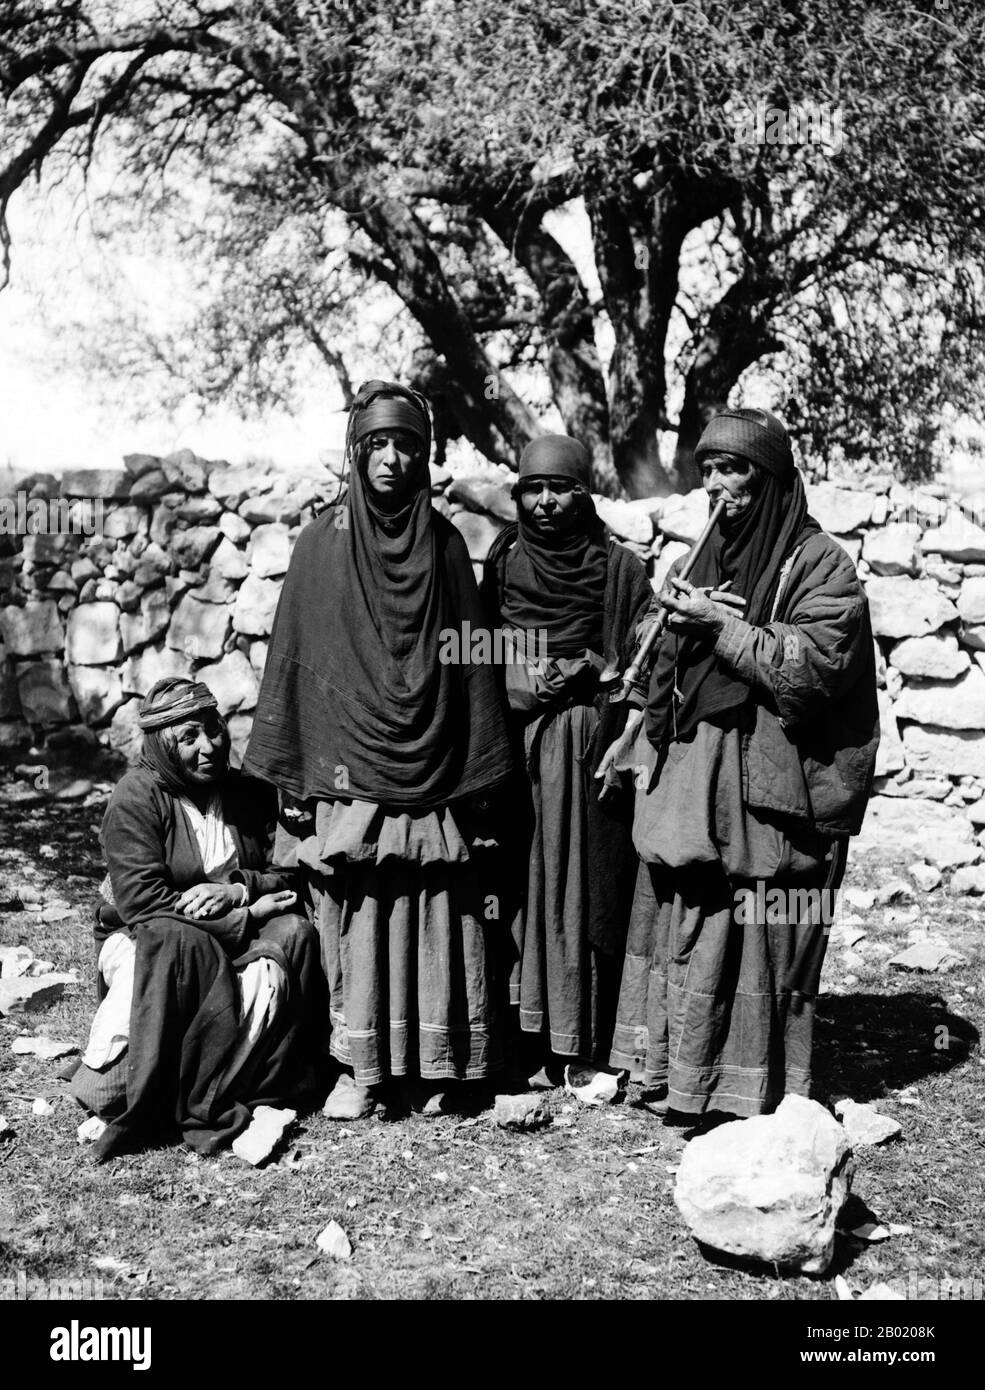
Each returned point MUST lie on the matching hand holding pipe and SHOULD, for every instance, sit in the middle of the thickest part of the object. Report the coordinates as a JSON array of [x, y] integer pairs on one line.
[[626, 682]]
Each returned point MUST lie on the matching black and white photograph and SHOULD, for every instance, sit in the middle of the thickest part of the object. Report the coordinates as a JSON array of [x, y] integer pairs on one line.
[[492, 669]]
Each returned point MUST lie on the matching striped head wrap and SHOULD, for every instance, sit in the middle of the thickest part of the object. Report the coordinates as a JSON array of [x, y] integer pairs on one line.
[[173, 700]]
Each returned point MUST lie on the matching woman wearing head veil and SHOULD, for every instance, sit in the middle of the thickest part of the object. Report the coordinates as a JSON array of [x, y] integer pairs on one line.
[[392, 752], [760, 737], [569, 596], [210, 987]]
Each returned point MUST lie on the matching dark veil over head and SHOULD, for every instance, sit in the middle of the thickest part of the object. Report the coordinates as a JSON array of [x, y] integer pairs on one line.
[[556, 583], [749, 553], [356, 700]]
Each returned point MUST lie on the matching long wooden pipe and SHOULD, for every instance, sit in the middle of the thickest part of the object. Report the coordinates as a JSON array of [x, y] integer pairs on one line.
[[626, 682]]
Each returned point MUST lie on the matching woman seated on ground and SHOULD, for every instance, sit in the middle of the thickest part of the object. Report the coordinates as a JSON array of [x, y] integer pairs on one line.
[[210, 982]]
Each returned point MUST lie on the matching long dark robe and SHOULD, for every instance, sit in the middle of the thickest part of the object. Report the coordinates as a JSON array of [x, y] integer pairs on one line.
[[718, 997], [184, 1016], [570, 858]]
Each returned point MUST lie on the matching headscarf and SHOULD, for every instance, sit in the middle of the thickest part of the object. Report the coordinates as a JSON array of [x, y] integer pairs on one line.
[[170, 702], [556, 583], [355, 700], [750, 552]]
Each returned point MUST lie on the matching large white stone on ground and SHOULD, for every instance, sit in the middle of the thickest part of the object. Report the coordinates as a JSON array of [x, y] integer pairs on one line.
[[268, 553], [889, 756], [953, 752], [937, 657], [44, 692], [893, 550], [31, 630], [198, 629], [683, 516], [769, 1188], [956, 538], [904, 607], [256, 603], [839, 510], [93, 637], [232, 681], [959, 704], [98, 690]]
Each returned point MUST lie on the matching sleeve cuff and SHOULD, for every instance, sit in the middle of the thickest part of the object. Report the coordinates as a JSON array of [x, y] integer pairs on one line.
[[732, 637]]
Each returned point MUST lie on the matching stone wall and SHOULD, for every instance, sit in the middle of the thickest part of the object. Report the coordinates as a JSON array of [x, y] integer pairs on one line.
[[184, 573]]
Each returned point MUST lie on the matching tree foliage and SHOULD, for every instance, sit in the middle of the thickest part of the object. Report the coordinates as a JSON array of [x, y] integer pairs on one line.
[[414, 152]]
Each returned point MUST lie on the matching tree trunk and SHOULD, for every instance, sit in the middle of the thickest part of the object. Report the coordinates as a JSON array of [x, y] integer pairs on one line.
[[736, 335]]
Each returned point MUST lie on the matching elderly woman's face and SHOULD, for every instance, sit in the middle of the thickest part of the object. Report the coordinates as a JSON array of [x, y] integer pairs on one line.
[[202, 745], [392, 460], [731, 477], [550, 503]]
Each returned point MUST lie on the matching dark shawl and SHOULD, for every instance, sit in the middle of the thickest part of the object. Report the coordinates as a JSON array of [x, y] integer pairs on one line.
[[750, 553], [354, 700], [612, 860], [556, 584]]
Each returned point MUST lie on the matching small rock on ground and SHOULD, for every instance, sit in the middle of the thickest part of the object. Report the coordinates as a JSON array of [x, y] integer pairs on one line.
[[47, 1049], [263, 1134], [864, 1125], [927, 956], [334, 1242], [522, 1112]]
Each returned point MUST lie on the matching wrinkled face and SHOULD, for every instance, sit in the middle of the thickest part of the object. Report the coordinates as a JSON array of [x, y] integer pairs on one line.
[[550, 503], [202, 745], [731, 477], [392, 460]]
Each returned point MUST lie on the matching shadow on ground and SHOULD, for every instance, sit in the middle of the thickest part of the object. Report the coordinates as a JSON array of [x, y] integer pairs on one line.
[[867, 1045]]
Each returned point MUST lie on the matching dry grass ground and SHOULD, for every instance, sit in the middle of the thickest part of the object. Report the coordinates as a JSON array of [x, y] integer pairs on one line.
[[449, 1209]]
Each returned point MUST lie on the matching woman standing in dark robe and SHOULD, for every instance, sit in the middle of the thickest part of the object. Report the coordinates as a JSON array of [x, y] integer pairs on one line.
[[570, 597], [211, 995], [392, 753], [760, 735]]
